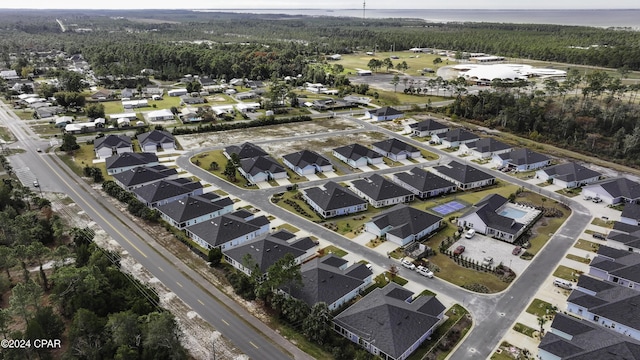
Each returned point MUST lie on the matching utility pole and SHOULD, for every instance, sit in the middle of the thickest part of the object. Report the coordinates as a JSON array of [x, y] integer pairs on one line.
[[364, 5]]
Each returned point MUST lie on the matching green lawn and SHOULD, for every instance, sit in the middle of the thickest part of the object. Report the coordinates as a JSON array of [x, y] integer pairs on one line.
[[458, 275], [289, 197], [290, 228], [333, 250], [524, 329], [540, 308], [567, 273], [587, 245], [454, 314], [577, 258], [603, 223], [416, 62], [205, 159]]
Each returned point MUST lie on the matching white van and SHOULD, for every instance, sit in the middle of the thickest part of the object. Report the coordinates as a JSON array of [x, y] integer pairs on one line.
[[561, 283], [470, 233]]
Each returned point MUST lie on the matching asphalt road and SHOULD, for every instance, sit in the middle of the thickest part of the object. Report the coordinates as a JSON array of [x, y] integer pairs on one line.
[[493, 314], [247, 333]]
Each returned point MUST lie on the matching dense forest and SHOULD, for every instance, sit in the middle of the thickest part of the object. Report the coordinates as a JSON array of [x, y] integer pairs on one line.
[[83, 299], [228, 45]]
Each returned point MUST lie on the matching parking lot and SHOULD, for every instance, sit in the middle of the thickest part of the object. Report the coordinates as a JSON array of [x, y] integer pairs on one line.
[[480, 246]]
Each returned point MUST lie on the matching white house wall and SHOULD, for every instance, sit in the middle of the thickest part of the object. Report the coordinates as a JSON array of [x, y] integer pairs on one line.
[[473, 221]]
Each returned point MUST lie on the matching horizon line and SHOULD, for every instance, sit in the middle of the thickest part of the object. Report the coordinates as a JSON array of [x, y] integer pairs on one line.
[[299, 8]]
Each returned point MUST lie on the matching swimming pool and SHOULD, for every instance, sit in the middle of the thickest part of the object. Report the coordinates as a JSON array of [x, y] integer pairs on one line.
[[513, 213]]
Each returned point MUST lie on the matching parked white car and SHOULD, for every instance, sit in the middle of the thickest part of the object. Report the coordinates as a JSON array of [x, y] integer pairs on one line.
[[424, 271], [408, 264]]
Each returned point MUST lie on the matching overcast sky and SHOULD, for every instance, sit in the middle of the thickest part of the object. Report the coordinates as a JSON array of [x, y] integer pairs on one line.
[[325, 4]]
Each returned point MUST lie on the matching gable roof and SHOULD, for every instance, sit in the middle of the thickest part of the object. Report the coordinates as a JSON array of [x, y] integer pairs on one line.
[[266, 250], [394, 146], [356, 152], [486, 209], [571, 172], [261, 164], [333, 197], [385, 111], [225, 228], [394, 324], [322, 282], [485, 145], [156, 137], [194, 206], [428, 125], [305, 158], [165, 189], [245, 151], [112, 141], [522, 156], [631, 211], [405, 220], [621, 187], [130, 159], [377, 187], [423, 180], [144, 174], [587, 341], [458, 135], [463, 173], [619, 263]]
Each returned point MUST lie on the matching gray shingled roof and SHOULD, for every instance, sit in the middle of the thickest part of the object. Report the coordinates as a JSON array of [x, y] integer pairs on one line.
[[523, 156], [246, 150], [394, 324], [405, 220], [458, 135], [394, 146], [385, 111], [130, 159], [488, 145], [112, 141], [261, 164], [428, 125], [222, 229], [423, 180], [144, 174], [333, 197], [165, 189], [194, 206], [304, 158], [571, 172], [631, 211], [463, 173], [487, 208], [322, 282], [379, 188], [356, 152], [156, 137], [264, 251]]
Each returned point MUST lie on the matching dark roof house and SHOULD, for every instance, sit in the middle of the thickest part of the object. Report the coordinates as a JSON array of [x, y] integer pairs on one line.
[[245, 151], [381, 192], [165, 191], [464, 176], [333, 200], [126, 161], [228, 230], [423, 183], [194, 209], [143, 175]]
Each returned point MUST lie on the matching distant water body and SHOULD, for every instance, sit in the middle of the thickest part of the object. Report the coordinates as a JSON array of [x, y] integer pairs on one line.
[[629, 18]]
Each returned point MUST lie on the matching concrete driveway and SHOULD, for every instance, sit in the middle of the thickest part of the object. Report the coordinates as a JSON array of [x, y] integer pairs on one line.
[[480, 246]]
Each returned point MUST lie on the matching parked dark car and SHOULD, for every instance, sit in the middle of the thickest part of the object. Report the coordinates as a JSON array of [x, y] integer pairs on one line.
[[599, 236], [516, 250], [459, 250]]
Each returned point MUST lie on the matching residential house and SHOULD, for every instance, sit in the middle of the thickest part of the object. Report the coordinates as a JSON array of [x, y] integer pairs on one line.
[[568, 175], [396, 150], [307, 162], [614, 191], [156, 139], [165, 191], [266, 250], [423, 184], [126, 161], [454, 138], [384, 114], [631, 214], [610, 305], [9, 75], [573, 339], [244, 151], [389, 323], [127, 116], [195, 209], [493, 217], [485, 148], [521, 159], [246, 95], [333, 200], [62, 121], [624, 237], [380, 192], [466, 177], [134, 104], [143, 175], [262, 168], [207, 81], [177, 92], [228, 230], [128, 93], [331, 104], [49, 111], [356, 155], [328, 279], [403, 224], [109, 145], [617, 266], [427, 127], [151, 91], [103, 95], [189, 100], [160, 115]]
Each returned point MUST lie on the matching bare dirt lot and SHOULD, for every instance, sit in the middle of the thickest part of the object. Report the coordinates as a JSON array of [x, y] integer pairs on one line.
[[325, 126]]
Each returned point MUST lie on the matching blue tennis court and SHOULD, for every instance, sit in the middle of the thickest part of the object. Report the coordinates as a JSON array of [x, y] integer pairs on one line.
[[448, 208]]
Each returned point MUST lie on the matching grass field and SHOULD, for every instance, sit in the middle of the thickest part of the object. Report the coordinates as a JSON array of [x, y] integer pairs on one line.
[[333, 250], [524, 329], [290, 228], [416, 62], [567, 273], [586, 245], [577, 258], [540, 308]]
